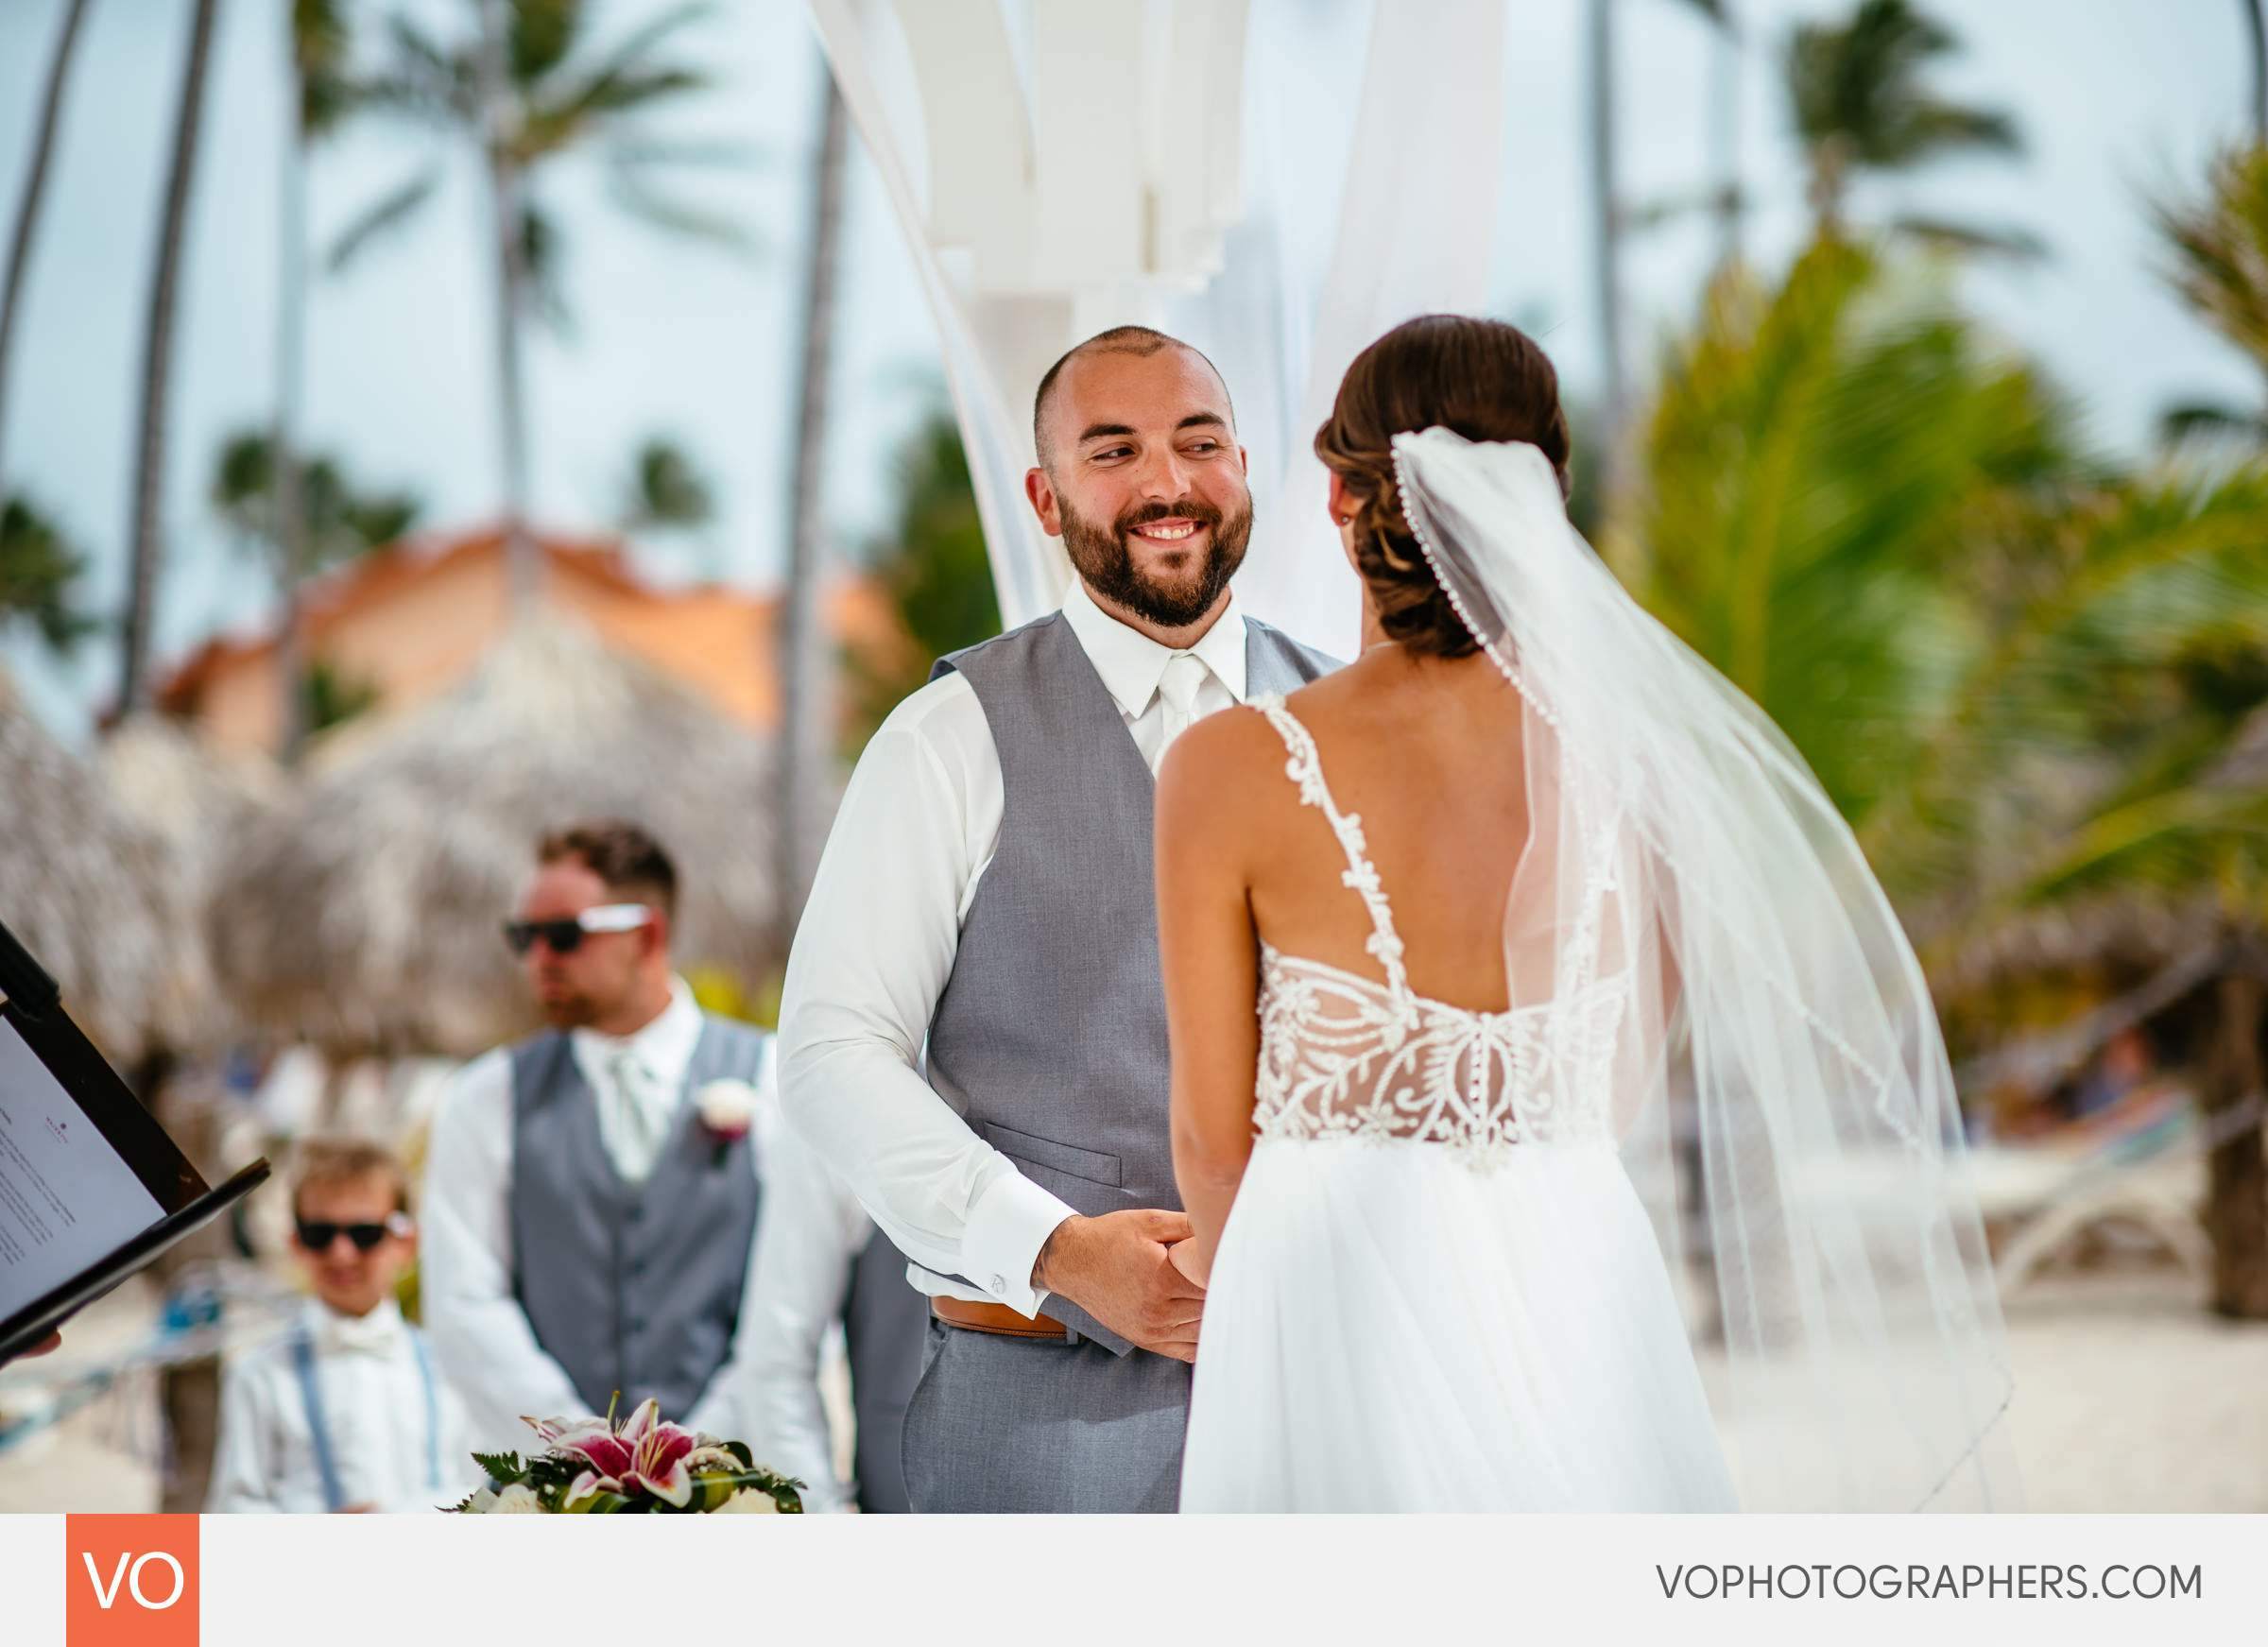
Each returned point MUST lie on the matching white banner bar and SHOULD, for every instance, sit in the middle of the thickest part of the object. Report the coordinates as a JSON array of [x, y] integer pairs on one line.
[[1937, 1582]]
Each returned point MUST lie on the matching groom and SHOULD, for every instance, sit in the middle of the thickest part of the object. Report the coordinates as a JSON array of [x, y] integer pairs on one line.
[[986, 894]]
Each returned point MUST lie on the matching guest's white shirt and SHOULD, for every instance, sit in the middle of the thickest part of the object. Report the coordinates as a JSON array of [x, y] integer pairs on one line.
[[814, 1230], [915, 832], [480, 1334], [385, 1442]]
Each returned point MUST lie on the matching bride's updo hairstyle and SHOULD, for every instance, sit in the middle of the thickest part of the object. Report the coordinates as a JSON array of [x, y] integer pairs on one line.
[[1484, 380]]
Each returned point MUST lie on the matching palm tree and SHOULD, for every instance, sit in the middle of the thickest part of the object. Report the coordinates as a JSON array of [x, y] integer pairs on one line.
[[2104, 770], [28, 207], [804, 745], [1610, 221], [156, 370], [1861, 104], [667, 491], [1724, 133], [323, 95], [338, 521], [2219, 266], [1809, 469], [528, 88], [933, 565], [2025, 681], [38, 566], [2255, 39], [331, 522]]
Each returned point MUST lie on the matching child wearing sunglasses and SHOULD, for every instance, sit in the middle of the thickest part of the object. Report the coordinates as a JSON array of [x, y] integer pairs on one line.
[[345, 1410]]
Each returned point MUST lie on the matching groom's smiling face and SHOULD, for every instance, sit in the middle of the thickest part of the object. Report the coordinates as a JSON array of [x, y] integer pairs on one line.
[[1142, 478]]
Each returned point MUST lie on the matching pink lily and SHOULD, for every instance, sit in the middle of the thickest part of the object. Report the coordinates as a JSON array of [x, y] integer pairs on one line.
[[659, 1466], [640, 1453]]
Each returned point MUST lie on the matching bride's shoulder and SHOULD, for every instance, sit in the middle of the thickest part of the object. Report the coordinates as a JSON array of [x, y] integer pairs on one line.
[[1220, 762]]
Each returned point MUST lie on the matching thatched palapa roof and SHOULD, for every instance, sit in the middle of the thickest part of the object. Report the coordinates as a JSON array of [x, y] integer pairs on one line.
[[363, 916], [195, 804], [90, 894]]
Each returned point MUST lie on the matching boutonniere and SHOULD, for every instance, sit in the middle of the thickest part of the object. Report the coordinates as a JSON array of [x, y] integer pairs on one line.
[[727, 1110]]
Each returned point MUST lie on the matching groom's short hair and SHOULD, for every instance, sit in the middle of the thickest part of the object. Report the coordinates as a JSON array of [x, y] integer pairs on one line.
[[1142, 340]]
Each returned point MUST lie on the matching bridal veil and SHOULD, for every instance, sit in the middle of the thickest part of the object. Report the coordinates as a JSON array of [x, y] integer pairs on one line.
[[1781, 1088]]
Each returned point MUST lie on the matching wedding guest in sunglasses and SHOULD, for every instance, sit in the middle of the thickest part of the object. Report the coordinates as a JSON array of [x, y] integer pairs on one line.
[[592, 1193], [344, 1411]]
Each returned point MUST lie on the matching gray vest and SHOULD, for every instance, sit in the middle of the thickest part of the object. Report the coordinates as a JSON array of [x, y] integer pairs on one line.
[[630, 1290], [1050, 1036]]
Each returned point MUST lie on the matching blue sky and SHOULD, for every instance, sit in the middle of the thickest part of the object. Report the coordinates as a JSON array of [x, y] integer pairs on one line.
[[2113, 95]]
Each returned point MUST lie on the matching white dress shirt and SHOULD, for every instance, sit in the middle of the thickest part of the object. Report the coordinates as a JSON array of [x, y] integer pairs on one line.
[[383, 1436], [915, 832], [481, 1336], [814, 1230]]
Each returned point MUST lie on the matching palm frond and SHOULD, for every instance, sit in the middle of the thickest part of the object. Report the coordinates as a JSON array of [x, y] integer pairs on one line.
[[1861, 102], [40, 570], [539, 35], [426, 80], [666, 489], [2017, 244], [2191, 418], [382, 218], [1817, 459], [542, 254], [2076, 755], [2219, 247], [622, 83], [1924, 129], [630, 190]]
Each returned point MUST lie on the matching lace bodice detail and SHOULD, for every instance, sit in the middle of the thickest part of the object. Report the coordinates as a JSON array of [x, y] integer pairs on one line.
[[1341, 1056]]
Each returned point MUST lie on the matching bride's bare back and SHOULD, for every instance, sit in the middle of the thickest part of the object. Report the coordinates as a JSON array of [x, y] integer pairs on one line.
[[1428, 752]]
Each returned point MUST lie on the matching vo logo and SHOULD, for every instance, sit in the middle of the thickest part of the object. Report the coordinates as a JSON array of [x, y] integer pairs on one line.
[[130, 1580]]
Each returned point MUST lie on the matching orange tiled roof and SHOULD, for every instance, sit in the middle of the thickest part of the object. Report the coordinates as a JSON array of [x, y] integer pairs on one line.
[[409, 620]]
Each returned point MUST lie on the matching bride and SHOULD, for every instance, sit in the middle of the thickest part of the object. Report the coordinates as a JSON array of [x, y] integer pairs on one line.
[[1449, 938]]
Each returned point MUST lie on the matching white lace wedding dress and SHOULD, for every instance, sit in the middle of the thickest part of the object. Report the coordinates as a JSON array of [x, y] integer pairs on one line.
[[1437, 1289]]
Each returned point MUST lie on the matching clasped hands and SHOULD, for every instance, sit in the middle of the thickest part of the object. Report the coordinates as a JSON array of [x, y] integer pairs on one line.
[[1132, 1272]]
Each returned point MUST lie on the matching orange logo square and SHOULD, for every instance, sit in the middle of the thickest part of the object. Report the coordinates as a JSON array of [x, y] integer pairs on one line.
[[131, 1581]]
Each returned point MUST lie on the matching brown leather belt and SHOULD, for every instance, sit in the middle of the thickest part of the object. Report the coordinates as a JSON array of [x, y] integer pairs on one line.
[[996, 1318]]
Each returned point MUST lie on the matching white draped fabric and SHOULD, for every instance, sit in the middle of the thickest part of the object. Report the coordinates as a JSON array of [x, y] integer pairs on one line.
[[1278, 183]]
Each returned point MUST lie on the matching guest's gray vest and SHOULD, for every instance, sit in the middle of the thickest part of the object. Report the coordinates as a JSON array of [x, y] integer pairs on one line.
[[630, 1290], [1050, 1036]]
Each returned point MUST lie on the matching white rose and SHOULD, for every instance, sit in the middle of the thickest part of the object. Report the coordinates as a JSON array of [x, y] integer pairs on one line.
[[484, 1501], [727, 1109], [518, 1499], [747, 1502]]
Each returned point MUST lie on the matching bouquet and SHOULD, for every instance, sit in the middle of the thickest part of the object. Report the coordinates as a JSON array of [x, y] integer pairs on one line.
[[595, 1467]]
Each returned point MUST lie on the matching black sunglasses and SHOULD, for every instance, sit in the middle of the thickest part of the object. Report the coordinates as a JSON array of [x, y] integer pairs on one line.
[[316, 1236], [563, 937]]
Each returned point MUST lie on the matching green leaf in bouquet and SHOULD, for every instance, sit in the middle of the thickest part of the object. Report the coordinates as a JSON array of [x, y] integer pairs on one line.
[[551, 1473], [711, 1488], [502, 1467]]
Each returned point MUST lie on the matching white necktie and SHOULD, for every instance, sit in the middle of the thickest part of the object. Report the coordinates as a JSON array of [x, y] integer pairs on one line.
[[1178, 687], [642, 1122]]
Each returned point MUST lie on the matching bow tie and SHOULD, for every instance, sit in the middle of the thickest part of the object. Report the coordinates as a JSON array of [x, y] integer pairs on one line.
[[374, 1334]]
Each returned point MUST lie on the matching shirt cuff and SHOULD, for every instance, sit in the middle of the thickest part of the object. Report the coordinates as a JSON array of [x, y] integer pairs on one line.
[[1010, 1223]]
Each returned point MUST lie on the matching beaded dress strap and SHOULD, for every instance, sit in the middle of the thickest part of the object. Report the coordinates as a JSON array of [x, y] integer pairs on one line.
[[1305, 769]]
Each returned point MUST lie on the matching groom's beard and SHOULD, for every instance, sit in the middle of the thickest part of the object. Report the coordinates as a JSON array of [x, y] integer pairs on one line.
[[1105, 560]]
